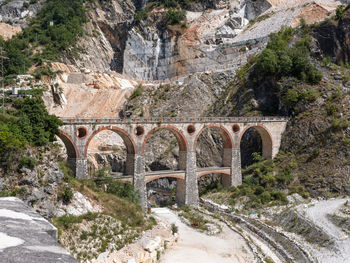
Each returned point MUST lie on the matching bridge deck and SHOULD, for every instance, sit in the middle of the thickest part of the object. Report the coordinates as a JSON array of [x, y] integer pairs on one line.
[[113, 120]]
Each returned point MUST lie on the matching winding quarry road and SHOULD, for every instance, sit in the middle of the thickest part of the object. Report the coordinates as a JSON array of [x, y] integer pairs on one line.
[[318, 214], [196, 247]]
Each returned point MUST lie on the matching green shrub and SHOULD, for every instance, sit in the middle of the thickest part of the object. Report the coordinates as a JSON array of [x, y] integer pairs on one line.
[[280, 196], [56, 28], [284, 178], [67, 221], [27, 162], [140, 15], [278, 59], [137, 92], [268, 62], [259, 190], [174, 229], [123, 190], [66, 195], [331, 109], [268, 260], [339, 124], [84, 235], [175, 16], [265, 197], [339, 12], [186, 208]]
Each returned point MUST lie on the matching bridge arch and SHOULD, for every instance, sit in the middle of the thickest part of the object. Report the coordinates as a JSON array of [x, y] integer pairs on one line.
[[204, 173], [180, 137], [72, 150], [224, 133], [128, 141], [156, 177], [266, 138]]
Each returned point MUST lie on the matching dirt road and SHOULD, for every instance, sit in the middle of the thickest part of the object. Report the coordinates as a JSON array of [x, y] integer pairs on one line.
[[196, 247], [318, 214]]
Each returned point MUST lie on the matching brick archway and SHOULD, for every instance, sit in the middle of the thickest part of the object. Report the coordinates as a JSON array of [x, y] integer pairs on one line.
[[128, 141], [224, 133], [181, 139], [72, 150], [266, 138]]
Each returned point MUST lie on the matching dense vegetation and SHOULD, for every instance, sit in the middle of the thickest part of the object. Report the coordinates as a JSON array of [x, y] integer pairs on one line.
[[175, 13], [185, 4], [265, 181], [290, 77], [55, 29], [277, 74], [25, 122], [279, 60]]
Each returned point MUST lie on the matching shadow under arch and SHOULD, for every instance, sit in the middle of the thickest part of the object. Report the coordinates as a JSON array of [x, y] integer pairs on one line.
[[225, 135], [266, 139], [153, 178], [212, 178], [204, 173], [128, 141], [181, 140], [183, 149], [72, 150], [225, 159]]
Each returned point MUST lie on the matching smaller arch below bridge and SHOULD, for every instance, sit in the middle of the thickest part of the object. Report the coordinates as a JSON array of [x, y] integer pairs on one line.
[[224, 133], [266, 138], [226, 171], [72, 150], [180, 137], [150, 178], [128, 141]]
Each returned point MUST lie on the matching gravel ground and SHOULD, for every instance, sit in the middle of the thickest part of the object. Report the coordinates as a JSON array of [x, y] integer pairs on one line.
[[194, 246], [317, 213]]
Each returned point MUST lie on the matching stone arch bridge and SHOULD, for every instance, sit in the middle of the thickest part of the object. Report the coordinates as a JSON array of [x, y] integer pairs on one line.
[[77, 133]]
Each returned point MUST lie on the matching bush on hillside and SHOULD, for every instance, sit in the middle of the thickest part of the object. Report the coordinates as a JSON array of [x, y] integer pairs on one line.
[[279, 60], [26, 123], [56, 28], [175, 16]]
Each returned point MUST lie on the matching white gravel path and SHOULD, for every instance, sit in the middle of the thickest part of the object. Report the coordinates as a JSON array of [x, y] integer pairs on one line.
[[196, 247], [318, 214]]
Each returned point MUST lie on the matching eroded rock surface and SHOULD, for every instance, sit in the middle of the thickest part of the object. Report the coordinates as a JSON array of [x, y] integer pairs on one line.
[[26, 237]]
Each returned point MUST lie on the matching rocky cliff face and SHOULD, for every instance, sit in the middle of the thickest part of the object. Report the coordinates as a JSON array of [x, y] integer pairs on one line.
[[211, 40], [107, 29], [18, 12], [217, 35], [206, 43], [38, 186], [334, 38]]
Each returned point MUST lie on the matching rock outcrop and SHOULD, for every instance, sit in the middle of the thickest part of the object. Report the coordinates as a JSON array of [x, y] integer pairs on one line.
[[38, 186], [211, 40], [107, 30], [334, 39], [26, 237], [18, 12]]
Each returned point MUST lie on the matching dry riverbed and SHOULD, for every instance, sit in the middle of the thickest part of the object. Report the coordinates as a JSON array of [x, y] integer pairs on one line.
[[194, 246]]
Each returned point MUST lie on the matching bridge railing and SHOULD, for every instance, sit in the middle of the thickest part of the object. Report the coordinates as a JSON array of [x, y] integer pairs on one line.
[[160, 120]]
